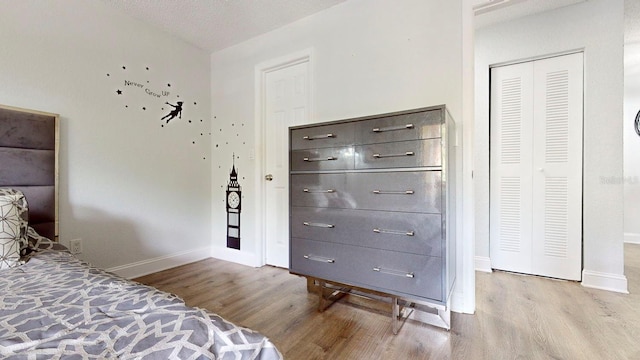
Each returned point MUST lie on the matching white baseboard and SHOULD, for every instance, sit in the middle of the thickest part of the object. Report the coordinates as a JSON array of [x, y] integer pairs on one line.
[[235, 256], [604, 281], [483, 264], [145, 267], [632, 238]]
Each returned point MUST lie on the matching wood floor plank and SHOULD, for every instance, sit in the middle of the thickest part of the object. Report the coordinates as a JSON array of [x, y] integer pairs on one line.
[[517, 317]]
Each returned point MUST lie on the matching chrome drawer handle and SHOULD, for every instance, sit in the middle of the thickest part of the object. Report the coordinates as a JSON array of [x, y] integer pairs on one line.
[[328, 226], [394, 232], [394, 272], [380, 192], [378, 156], [316, 137], [392, 128], [320, 159], [319, 191], [319, 258]]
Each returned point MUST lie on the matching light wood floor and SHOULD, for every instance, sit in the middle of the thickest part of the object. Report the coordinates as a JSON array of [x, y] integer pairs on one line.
[[518, 317]]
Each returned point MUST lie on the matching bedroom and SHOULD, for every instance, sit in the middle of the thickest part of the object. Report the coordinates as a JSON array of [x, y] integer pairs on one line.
[[57, 59]]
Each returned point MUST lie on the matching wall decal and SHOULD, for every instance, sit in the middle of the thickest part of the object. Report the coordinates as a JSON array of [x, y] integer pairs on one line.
[[177, 111], [636, 124], [149, 96], [234, 202]]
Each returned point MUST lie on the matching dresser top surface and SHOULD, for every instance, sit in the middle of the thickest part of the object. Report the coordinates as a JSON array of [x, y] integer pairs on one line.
[[369, 117]]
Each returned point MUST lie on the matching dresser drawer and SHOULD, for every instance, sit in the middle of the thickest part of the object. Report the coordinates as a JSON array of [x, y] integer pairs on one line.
[[321, 190], [408, 191], [387, 271], [322, 136], [399, 273], [415, 153], [322, 159], [413, 233], [316, 258], [414, 126]]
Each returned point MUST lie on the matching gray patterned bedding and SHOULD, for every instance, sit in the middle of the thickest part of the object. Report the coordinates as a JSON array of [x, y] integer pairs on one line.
[[56, 306]]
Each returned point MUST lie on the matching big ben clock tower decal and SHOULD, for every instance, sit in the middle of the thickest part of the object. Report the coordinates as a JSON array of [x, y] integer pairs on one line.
[[233, 209]]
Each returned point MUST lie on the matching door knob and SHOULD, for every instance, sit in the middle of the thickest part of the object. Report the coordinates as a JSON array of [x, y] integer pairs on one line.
[[268, 177]]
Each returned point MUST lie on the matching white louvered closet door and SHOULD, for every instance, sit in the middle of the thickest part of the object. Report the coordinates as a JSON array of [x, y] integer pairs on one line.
[[536, 127], [557, 163], [511, 171]]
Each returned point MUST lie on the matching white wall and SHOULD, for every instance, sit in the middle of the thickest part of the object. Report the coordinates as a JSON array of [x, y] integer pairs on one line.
[[136, 193], [369, 57], [631, 178], [597, 27]]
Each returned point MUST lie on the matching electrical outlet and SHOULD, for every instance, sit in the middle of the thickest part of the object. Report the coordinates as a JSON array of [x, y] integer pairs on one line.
[[75, 246]]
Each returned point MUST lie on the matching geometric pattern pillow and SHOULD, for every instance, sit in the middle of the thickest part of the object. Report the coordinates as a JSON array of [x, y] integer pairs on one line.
[[14, 216]]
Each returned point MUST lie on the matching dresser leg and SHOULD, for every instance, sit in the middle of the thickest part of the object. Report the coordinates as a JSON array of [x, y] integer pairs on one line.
[[395, 314], [399, 313], [328, 295], [437, 315], [312, 286], [321, 305]]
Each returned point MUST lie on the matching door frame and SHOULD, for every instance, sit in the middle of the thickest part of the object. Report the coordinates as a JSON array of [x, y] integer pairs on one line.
[[486, 265], [261, 71]]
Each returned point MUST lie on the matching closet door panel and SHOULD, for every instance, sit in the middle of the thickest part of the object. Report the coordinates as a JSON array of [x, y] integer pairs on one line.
[[557, 163], [510, 167]]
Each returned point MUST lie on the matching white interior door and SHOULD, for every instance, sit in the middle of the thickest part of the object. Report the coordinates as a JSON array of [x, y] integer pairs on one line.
[[510, 163], [286, 104], [536, 167], [557, 163]]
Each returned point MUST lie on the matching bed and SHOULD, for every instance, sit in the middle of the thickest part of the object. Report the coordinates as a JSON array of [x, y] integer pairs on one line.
[[53, 305]]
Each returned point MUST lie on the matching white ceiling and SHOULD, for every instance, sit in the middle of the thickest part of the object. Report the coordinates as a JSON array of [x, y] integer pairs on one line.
[[216, 24]]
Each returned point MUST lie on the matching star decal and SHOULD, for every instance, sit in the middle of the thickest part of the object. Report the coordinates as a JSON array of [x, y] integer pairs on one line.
[[119, 92]]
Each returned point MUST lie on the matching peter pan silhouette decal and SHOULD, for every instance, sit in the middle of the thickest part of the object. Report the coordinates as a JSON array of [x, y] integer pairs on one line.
[[177, 111]]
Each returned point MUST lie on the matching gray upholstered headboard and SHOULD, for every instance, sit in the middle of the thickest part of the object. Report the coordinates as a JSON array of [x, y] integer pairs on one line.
[[29, 163]]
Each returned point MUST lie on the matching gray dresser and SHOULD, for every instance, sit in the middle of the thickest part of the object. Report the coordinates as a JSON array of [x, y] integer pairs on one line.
[[372, 203]]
